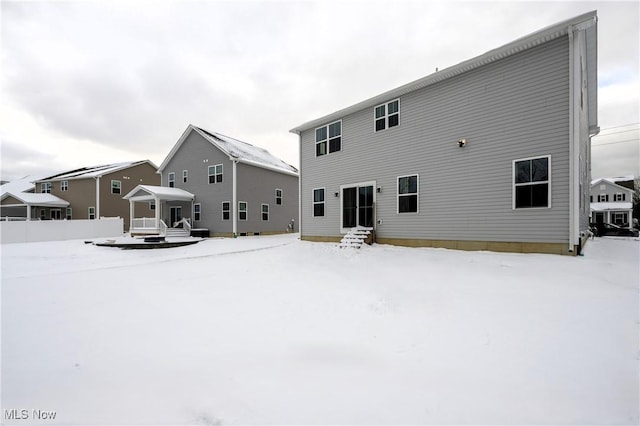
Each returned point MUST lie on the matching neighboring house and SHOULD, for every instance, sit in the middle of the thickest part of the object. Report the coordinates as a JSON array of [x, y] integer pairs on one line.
[[18, 201], [222, 185], [489, 154], [611, 203], [94, 192]]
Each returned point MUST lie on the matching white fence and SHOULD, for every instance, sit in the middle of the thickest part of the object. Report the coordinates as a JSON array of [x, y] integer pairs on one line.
[[58, 230]]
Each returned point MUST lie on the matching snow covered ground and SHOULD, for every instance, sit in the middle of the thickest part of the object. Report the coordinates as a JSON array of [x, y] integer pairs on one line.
[[272, 330]]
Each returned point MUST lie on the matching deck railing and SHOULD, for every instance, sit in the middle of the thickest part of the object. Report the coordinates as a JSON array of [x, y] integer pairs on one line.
[[144, 223]]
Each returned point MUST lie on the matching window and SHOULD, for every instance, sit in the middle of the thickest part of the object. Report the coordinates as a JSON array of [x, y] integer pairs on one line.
[[64, 185], [603, 198], [330, 134], [318, 202], [115, 186], [185, 176], [591, 198], [265, 212], [152, 205], [92, 213], [69, 212], [279, 196], [171, 179], [226, 209], [196, 211], [387, 115], [531, 183], [45, 187], [215, 173], [619, 218], [55, 214], [242, 210], [619, 197], [408, 194]]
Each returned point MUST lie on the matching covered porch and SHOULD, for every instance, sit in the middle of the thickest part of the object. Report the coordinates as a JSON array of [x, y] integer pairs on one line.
[[168, 219], [33, 206], [616, 213]]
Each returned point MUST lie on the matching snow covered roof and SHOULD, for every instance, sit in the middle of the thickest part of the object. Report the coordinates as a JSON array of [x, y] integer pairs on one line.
[[95, 171], [150, 193], [37, 199], [24, 184], [527, 42], [610, 181], [620, 205], [236, 150]]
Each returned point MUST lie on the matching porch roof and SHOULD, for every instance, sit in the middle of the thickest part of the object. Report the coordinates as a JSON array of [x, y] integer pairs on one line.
[[161, 193], [620, 205], [34, 199]]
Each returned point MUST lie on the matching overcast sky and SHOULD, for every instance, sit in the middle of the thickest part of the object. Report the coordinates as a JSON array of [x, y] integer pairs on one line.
[[87, 83]]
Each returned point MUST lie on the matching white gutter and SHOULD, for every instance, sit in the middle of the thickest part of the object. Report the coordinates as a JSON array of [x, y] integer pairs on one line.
[[235, 197], [573, 119], [97, 197]]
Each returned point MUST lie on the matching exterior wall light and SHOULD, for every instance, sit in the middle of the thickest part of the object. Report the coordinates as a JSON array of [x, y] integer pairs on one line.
[[462, 142]]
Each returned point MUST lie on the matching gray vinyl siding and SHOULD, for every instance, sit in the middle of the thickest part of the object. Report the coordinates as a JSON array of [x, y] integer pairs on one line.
[[607, 188], [195, 155], [257, 186], [510, 109]]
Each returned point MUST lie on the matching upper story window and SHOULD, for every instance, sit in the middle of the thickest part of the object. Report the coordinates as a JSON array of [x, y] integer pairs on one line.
[[387, 115], [215, 173], [603, 198], [620, 196], [279, 196], [115, 186], [45, 187], [64, 185], [171, 179], [408, 194], [531, 183], [330, 135], [185, 176]]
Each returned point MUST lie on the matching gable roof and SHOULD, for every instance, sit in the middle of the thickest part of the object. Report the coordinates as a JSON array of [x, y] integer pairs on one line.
[[150, 193], [237, 150], [24, 184], [527, 42], [95, 171], [31, 199], [610, 182]]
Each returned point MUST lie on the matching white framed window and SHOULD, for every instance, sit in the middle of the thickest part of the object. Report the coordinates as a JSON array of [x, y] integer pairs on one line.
[[171, 179], [152, 205], [215, 173], [279, 197], [69, 213], [265, 211], [116, 186], [64, 185], [185, 176], [243, 208], [226, 210], [619, 196], [619, 218], [387, 115], [318, 202], [408, 194], [45, 187], [92, 213], [329, 138], [603, 198], [196, 211], [532, 182]]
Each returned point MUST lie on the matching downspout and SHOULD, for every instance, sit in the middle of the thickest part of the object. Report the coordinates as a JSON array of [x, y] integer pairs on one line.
[[572, 151], [235, 197], [300, 200], [97, 197]]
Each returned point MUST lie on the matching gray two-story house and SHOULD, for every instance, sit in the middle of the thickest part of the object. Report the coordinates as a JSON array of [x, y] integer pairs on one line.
[[489, 154], [225, 186]]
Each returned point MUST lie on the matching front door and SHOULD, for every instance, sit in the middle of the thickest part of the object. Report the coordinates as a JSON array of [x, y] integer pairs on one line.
[[176, 215], [56, 214], [358, 206], [599, 218]]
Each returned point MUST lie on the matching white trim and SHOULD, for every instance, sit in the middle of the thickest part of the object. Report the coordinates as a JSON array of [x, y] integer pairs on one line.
[[171, 179], [97, 207], [46, 185], [328, 138], [89, 213], [246, 211], [513, 183], [262, 212], [398, 195], [119, 187], [199, 212], [314, 202], [386, 115], [59, 211], [215, 173], [185, 176], [357, 185], [68, 213], [223, 210], [65, 187], [281, 197]]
